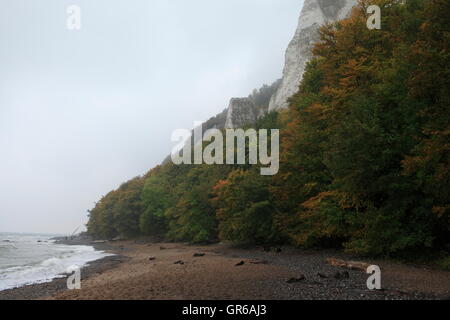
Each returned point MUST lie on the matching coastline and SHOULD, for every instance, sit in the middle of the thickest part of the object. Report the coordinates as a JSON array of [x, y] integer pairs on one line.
[[40, 290], [145, 270]]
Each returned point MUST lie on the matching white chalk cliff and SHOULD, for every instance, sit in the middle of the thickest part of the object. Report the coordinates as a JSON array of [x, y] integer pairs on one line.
[[242, 111], [314, 14]]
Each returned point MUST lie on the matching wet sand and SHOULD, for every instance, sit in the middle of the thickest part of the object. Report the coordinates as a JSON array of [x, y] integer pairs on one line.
[[168, 271]]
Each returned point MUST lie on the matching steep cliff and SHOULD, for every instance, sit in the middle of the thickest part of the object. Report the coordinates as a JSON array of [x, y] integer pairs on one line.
[[314, 14], [242, 111]]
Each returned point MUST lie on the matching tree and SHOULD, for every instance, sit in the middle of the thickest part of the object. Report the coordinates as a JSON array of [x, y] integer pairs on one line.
[[244, 208]]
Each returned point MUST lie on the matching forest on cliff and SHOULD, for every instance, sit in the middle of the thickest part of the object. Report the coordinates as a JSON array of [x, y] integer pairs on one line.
[[364, 155]]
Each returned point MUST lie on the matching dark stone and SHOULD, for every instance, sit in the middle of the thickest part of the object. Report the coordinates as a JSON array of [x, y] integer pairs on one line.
[[296, 280], [199, 254], [240, 264], [260, 262], [341, 275]]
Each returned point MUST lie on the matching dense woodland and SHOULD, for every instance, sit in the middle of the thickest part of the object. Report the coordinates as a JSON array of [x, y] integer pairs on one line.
[[364, 153]]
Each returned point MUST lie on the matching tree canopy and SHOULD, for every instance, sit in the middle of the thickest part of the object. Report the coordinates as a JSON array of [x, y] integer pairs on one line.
[[364, 152]]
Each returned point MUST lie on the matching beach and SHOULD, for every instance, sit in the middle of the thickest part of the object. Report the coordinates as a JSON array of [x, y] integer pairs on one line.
[[142, 270]]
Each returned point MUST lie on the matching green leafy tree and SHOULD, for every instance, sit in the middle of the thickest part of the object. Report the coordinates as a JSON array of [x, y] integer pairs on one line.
[[245, 209]]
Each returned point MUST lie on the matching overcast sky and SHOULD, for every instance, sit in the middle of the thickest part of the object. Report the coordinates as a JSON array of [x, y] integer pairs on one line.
[[83, 111]]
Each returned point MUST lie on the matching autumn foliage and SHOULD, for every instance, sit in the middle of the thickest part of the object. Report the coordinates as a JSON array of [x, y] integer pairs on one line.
[[364, 152]]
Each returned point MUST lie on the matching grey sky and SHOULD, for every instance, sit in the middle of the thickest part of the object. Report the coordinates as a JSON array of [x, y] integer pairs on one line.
[[83, 111]]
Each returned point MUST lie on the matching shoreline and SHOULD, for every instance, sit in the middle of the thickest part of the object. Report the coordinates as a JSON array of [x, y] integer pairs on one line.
[[45, 289], [146, 270]]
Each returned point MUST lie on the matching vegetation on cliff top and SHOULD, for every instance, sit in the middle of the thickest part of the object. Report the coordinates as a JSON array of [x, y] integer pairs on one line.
[[364, 152]]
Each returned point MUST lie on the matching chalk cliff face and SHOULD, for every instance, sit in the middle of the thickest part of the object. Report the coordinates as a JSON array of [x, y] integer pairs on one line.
[[242, 111], [314, 14]]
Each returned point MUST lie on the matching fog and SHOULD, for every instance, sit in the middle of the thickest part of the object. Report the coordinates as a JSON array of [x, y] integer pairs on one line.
[[82, 111]]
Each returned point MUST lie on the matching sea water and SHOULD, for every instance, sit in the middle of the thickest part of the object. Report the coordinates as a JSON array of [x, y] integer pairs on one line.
[[35, 258]]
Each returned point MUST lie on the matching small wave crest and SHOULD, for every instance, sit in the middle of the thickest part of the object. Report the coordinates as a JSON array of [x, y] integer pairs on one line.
[[50, 268]]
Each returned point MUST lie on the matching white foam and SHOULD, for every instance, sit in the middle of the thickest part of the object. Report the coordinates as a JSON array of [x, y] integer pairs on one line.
[[46, 270]]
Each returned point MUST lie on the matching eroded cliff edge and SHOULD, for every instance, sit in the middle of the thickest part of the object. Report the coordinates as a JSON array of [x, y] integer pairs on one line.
[[314, 14]]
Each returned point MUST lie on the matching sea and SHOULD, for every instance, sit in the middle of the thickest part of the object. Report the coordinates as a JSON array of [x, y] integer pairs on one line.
[[35, 258]]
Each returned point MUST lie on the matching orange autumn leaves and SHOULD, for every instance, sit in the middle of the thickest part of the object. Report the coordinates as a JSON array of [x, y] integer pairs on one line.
[[364, 162]]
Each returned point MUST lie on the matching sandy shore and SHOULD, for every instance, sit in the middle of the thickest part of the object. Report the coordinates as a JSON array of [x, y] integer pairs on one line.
[[177, 271]]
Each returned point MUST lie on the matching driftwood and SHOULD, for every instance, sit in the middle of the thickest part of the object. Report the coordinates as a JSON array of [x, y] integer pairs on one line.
[[352, 265]]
